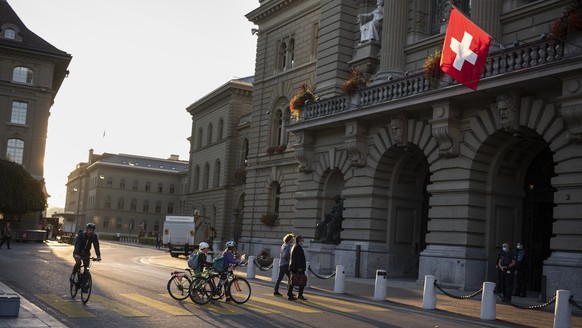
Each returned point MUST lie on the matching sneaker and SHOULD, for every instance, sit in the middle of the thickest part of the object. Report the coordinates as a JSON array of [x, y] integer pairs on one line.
[[276, 293], [301, 298], [292, 298]]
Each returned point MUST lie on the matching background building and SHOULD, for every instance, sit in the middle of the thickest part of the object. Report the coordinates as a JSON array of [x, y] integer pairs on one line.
[[31, 73], [125, 194], [433, 176]]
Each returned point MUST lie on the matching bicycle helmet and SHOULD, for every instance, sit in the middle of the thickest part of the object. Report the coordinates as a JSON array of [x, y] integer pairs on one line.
[[204, 245], [90, 225], [230, 244]]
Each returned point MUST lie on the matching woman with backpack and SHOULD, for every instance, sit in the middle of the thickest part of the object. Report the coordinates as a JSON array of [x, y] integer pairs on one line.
[[228, 259]]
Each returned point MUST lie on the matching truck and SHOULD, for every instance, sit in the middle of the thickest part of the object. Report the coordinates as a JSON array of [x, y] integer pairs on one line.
[[182, 234]]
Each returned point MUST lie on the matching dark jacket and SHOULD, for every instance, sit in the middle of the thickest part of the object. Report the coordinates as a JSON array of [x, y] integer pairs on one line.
[[297, 259], [83, 245], [202, 262]]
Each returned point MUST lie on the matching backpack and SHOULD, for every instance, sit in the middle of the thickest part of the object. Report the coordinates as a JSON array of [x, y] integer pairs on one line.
[[218, 263], [193, 261]]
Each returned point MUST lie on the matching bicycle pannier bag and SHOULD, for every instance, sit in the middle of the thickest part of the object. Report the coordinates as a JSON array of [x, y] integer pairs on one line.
[[193, 261], [299, 279], [218, 263]]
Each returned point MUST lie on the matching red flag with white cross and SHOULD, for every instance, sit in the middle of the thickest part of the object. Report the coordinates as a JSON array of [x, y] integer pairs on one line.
[[465, 50]]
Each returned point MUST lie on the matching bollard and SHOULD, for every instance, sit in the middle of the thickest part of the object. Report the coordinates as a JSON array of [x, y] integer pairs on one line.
[[275, 274], [308, 274], [488, 301], [340, 274], [251, 268], [429, 295], [562, 311], [380, 287]]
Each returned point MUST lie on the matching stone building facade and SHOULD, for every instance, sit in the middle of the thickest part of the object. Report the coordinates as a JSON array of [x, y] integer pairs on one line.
[[434, 177], [123, 194], [31, 73]]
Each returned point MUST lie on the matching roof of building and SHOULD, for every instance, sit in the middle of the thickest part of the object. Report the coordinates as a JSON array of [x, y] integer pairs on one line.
[[27, 40], [143, 162]]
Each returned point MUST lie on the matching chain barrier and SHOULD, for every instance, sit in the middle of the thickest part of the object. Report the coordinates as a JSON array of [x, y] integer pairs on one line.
[[465, 297], [262, 268], [571, 300], [320, 277], [521, 307]]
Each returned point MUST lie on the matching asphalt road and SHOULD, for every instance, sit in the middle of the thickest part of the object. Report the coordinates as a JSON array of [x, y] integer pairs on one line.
[[129, 290]]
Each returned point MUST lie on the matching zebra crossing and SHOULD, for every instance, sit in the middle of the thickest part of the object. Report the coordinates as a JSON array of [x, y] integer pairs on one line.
[[264, 304]]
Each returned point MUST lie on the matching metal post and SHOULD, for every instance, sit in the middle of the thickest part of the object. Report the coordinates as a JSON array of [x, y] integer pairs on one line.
[[562, 310], [380, 287], [488, 310], [429, 295], [275, 273], [340, 274], [251, 268]]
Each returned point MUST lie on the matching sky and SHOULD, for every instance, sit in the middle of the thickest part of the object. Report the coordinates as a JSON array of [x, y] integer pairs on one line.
[[137, 65]]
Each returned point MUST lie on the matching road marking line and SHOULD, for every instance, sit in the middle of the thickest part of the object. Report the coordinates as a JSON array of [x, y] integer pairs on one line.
[[262, 310], [285, 305], [70, 308], [332, 307], [122, 309], [350, 304], [206, 307], [157, 304]]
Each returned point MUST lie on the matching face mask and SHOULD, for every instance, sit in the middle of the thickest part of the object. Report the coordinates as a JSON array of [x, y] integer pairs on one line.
[[505, 249]]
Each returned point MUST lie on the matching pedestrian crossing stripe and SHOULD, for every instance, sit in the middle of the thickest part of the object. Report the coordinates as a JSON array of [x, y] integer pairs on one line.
[[261, 310], [122, 309], [174, 310], [70, 308], [328, 306], [208, 307], [278, 303], [350, 304]]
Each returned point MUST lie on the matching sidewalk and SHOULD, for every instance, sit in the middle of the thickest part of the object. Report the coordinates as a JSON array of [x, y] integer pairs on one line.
[[405, 294]]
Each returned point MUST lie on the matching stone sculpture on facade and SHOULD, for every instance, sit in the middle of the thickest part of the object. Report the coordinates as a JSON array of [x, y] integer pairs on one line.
[[328, 231], [371, 23], [508, 113]]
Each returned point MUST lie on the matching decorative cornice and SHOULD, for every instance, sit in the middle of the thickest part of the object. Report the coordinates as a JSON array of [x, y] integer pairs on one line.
[[268, 9]]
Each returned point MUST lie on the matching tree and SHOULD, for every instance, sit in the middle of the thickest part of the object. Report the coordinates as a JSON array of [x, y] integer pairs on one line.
[[19, 192]]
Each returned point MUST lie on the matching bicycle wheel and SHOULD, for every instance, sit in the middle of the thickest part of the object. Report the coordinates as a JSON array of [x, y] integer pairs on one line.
[[73, 280], [239, 290], [179, 287], [86, 287], [201, 290]]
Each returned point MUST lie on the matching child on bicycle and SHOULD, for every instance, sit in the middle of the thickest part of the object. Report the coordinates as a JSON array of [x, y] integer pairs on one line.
[[228, 255], [202, 256], [83, 242]]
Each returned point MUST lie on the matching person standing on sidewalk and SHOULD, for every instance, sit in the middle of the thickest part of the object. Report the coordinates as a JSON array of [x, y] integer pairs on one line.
[[284, 262], [6, 235], [505, 267], [520, 271], [297, 265]]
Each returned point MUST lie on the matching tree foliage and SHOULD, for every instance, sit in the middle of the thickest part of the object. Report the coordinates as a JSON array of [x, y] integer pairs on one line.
[[19, 192]]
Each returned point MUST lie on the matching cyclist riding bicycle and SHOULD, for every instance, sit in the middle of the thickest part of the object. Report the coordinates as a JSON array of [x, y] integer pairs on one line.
[[202, 257], [83, 242]]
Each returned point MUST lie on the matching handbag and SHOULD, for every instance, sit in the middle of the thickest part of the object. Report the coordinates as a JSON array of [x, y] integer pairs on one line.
[[299, 279]]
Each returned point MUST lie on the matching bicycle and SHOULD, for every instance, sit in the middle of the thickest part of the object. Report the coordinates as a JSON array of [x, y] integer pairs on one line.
[[179, 283], [82, 281], [204, 290]]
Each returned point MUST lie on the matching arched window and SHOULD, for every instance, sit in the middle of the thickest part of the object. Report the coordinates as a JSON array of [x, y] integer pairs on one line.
[[206, 176], [19, 112], [282, 56], [199, 141], [220, 129], [280, 120], [22, 74], [158, 208], [196, 179], [148, 186], [170, 208], [108, 202], [290, 54], [122, 184], [172, 189], [274, 197], [120, 203], [135, 185], [15, 150], [146, 206], [209, 141], [133, 205], [216, 176], [160, 187]]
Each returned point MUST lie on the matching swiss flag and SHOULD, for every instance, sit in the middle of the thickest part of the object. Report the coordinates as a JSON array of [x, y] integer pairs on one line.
[[465, 50]]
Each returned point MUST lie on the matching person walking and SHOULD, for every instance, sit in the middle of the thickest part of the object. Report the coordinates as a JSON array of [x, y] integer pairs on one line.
[[297, 265], [520, 271], [505, 267], [6, 235], [284, 262]]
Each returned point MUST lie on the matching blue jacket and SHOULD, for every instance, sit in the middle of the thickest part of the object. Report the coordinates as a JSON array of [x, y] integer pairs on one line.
[[229, 259], [83, 245]]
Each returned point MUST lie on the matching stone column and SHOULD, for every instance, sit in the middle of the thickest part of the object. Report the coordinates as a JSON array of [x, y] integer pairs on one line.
[[392, 59], [485, 13]]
